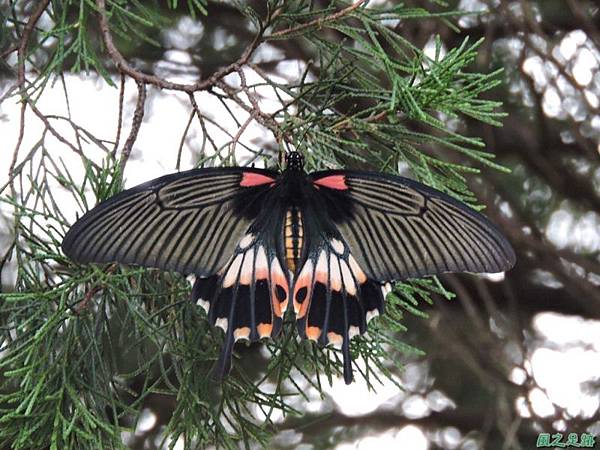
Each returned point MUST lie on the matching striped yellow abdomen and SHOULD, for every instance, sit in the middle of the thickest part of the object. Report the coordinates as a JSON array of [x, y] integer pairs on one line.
[[293, 238]]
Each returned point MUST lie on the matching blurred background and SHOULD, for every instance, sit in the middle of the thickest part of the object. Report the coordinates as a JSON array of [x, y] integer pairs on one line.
[[514, 354]]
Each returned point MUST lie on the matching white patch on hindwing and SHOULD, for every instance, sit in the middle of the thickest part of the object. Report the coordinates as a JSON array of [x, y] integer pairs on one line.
[[335, 339], [372, 314], [223, 323], [386, 289], [337, 246], [247, 265], [321, 269], [261, 264], [334, 273], [353, 331], [204, 304], [358, 273], [233, 271], [246, 241]]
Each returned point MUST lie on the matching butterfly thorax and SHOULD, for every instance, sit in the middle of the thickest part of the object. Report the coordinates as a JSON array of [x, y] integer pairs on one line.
[[292, 183]]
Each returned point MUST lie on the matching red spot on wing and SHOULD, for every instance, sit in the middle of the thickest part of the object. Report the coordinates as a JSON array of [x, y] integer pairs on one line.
[[333, 182], [255, 179]]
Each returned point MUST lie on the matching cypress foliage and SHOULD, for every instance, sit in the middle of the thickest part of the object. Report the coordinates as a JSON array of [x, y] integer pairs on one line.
[[83, 347]]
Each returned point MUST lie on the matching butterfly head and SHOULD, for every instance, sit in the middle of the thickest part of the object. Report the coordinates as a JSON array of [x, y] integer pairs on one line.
[[294, 161]]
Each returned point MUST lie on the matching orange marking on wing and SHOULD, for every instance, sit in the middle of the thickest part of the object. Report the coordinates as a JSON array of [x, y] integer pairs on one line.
[[313, 333], [241, 333], [337, 182], [264, 329], [262, 274], [334, 338], [283, 306], [255, 179], [304, 281], [278, 279], [321, 277], [304, 307], [276, 305]]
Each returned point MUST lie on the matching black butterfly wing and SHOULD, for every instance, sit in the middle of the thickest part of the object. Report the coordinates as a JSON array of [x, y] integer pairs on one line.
[[364, 230], [332, 296], [210, 222], [398, 228], [189, 222], [248, 296]]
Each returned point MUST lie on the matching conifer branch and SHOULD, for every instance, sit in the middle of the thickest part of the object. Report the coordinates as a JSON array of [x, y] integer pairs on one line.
[[86, 347]]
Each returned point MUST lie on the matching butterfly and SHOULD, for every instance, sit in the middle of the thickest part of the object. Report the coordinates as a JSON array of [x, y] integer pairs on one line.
[[326, 244]]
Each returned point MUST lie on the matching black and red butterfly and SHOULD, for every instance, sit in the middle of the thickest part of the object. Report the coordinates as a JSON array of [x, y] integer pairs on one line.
[[326, 244]]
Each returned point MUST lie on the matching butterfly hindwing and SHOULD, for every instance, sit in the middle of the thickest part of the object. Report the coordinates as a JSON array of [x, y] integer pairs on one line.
[[333, 297], [367, 230], [247, 297]]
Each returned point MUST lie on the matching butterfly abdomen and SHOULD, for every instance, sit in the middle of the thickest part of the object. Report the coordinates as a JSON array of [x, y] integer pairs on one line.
[[293, 237]]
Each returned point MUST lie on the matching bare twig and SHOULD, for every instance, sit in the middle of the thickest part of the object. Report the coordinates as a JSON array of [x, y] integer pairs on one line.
[[241, 131], [120, 119], [317, 23], [201, 120], [56, 134], [183, 136], [8, 51], [136, 123], [201, 85], [22, 55]]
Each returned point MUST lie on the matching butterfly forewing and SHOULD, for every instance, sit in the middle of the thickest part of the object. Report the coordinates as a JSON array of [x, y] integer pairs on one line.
[[398, 229], [188, 222]]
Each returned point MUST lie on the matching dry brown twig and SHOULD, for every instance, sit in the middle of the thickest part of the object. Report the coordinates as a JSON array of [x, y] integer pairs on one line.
[[22, 56], [136, 123], [318, 22], [201, 85], [217, 78]]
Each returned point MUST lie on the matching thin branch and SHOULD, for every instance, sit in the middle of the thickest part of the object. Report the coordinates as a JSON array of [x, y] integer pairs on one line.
[[201, 120], [201, 85], [182, 141], [319, 22], [56, 134], [22, 56], [8, 51], [136, 123], [241, 130], [120, 119]]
